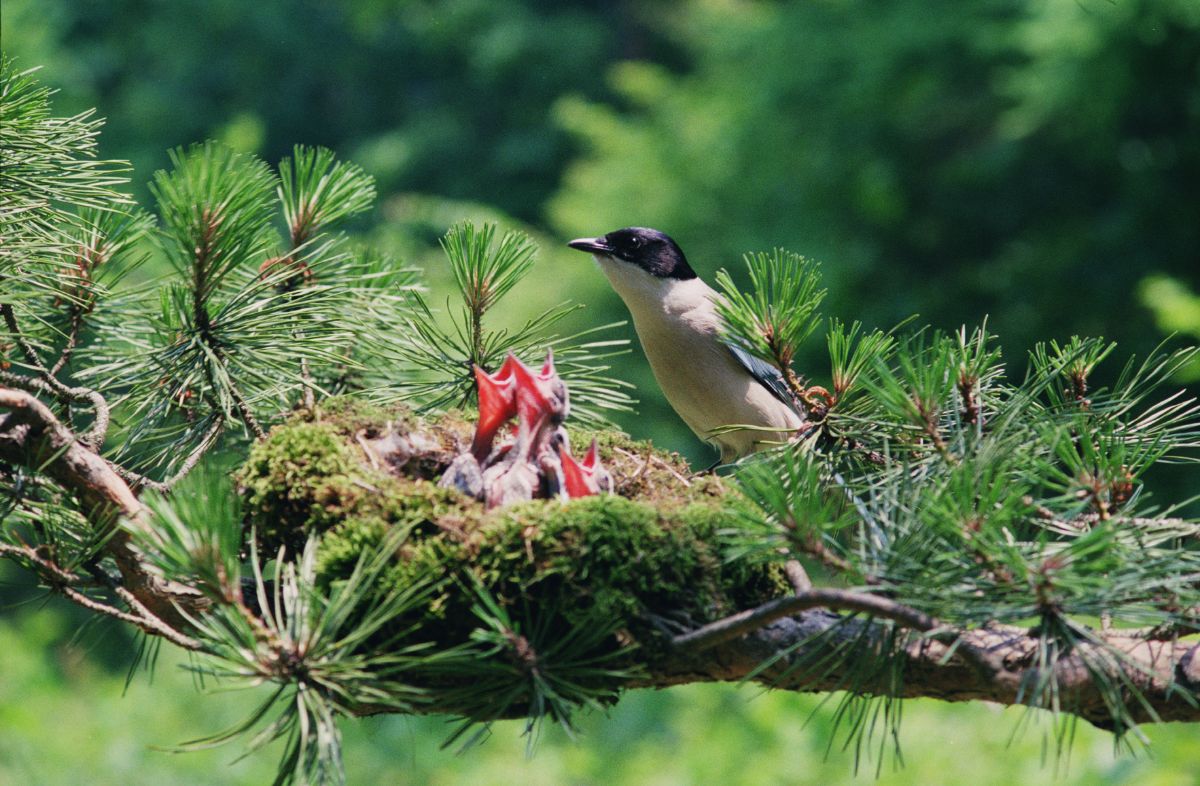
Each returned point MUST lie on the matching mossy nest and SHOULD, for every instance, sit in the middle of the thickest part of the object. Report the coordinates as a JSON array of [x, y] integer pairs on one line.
[[638, 563]]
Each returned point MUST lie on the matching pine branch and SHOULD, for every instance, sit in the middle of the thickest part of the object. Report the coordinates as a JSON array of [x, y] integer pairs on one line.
[[64, 356], [66, 583], [30, 435], [144, 620]]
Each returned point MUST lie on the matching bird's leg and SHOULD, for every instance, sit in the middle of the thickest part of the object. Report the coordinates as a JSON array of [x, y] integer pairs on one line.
[[818, 400]]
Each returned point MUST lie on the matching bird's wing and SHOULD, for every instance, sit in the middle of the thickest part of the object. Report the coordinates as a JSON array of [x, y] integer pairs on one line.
[[764, 373]]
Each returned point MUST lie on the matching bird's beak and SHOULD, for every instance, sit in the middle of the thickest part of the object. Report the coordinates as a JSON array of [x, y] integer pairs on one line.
[[577, 480], [532, 402], [582, 479], [592, 245], [497, 404]]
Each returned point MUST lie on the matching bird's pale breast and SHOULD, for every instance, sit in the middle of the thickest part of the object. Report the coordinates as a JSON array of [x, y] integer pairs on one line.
[[679, 330]]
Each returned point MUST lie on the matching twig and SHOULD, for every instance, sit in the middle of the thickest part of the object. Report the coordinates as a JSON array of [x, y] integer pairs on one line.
[[138, 481], [72, 340], [739, 624], [309, 399], [65, 582], [797, 576], [58, 575], [10, 320], [202, 447], [366, 449], [1187, 624], [856, 447], [657, 461], [93, 437], [816, 548], [30, 434], [204, 324], [244, 410], [743, 622], [150, 623]]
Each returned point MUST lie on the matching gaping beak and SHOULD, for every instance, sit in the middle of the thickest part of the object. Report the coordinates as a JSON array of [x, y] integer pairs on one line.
[[532, 403], [497, 404], [515, 390], [592, 245], [580, 479], [575, 478]]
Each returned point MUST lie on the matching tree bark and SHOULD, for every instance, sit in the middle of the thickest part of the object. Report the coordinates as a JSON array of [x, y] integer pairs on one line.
[[1166, 673]]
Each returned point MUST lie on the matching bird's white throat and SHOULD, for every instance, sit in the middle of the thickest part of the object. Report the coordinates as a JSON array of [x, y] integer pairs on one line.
[[649, 296]]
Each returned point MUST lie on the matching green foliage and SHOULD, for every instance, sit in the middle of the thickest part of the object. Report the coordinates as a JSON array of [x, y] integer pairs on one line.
[[291, 478], [311, 646], [773, 321], [221, 341], [215, 207], [523, 603], [793, 506], [979, 500], [248, 323], [197, 533], [434, 98], [317, 190], [484, 276], [851, 353], [484, 272], [1176, 310], [49, 174], [67, 230], [990, 157]]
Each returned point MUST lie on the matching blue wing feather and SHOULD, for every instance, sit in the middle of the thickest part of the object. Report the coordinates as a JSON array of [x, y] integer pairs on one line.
[[764, 373]]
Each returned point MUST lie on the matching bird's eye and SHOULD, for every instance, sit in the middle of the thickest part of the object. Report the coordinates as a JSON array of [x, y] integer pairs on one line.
[[635, 242]]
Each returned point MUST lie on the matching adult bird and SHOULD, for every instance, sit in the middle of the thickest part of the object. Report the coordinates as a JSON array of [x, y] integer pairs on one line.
[[710, 383]]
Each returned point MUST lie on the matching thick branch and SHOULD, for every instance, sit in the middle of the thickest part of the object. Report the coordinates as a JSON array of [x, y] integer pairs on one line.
[[841, 600], [786, 643], [1167, 674]]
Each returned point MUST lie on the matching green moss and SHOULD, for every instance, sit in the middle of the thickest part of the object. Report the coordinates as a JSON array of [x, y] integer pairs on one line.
[[417, 506], [600, 560], [644, 472], [313, 474], [297, 481], [630, 565]]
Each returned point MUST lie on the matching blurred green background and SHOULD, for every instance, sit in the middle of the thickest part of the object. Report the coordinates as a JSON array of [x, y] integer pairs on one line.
[[1036, 161]]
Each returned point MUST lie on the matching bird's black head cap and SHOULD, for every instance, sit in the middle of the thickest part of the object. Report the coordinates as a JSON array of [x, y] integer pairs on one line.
[[649, 249]]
